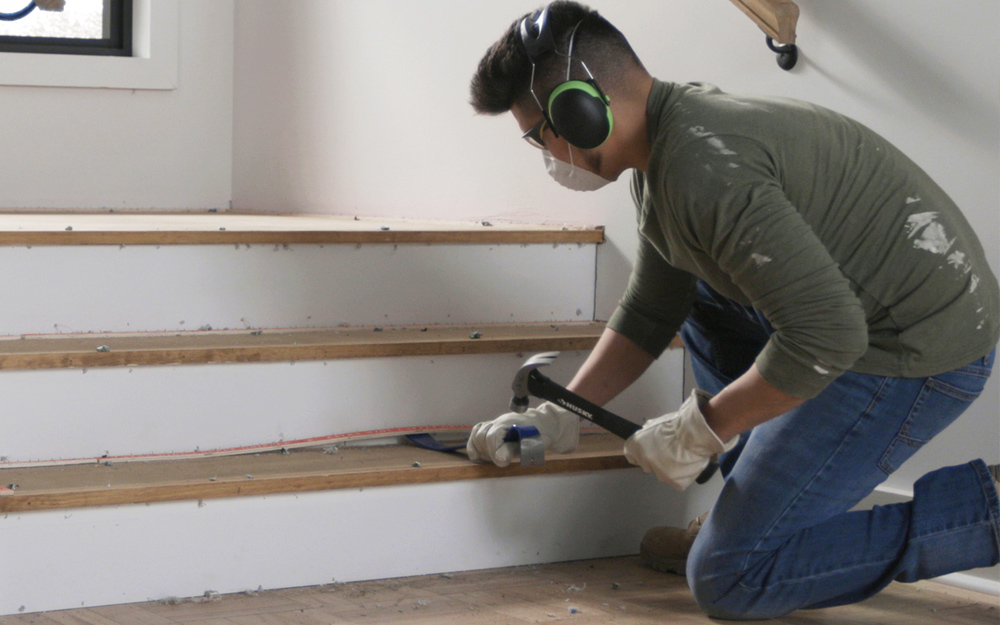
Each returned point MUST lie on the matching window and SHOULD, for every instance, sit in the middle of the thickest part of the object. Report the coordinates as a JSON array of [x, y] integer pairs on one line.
[[91, 27], [153, 64]]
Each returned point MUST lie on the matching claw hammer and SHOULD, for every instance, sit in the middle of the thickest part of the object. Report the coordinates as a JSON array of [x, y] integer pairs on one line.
[[529, 381]]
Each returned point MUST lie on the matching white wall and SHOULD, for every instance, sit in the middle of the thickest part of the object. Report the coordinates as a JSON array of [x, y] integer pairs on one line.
[[360, 107], [85, 148]]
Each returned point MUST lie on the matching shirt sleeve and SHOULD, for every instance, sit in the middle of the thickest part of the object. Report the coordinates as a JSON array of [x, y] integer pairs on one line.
[[657, 300], [728, 198]]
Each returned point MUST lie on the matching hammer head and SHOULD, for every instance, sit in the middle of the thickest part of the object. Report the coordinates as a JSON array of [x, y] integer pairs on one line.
[[519, 402]]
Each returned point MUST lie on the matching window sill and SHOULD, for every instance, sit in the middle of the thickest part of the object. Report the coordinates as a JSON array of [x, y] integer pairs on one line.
[[154, 66]]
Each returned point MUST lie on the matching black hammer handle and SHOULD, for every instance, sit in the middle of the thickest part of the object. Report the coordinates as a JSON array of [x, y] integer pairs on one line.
[[541, 386], [544, 388]]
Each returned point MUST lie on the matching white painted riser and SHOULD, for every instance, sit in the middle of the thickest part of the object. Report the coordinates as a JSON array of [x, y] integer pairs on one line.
[[101, 556], [55, 289], [70, 413]]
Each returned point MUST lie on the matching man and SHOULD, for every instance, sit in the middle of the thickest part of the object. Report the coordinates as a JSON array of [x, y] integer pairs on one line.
[[837, 307]]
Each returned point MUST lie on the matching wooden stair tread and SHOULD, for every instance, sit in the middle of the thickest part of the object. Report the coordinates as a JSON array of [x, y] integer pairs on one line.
[[52, 488], [252, 228], [194, 347]]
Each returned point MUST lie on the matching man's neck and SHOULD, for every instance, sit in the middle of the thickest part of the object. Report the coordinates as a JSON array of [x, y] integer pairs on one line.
[[636, 146]]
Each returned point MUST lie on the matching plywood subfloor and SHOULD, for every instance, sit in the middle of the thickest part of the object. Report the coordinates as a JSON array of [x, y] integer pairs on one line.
[[617, 591]]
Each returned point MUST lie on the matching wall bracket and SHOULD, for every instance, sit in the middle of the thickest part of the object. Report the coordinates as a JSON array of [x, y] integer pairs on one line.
[[777, 18], [788, 54]]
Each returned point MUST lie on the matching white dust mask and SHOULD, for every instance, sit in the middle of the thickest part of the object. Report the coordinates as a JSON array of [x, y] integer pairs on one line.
[[571, 176]]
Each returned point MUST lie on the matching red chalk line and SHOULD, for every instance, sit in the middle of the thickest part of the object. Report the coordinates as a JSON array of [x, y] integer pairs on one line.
[[246, 449]]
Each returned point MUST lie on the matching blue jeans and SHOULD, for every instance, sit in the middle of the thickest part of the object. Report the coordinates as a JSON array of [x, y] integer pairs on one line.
[[780, 536]]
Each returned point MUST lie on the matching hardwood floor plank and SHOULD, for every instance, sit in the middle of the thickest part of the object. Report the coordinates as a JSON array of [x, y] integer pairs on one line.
[[27, 619], [307, 616], [613, 591], [131, 614], [80, 617], [226, 607]]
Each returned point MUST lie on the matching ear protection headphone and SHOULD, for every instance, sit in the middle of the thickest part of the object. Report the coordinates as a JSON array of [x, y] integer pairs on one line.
[[577, 109]]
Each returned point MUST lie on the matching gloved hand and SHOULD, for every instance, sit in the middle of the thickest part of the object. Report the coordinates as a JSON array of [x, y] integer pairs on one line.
[[678, 446], [558, 427]]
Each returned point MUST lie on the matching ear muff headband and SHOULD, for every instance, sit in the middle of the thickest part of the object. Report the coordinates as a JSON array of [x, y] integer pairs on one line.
[[580, 111], [577, 110], [536, 35]]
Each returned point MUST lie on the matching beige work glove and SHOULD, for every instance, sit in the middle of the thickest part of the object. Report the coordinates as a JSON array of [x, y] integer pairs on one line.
[[558, 427], [678, 446]]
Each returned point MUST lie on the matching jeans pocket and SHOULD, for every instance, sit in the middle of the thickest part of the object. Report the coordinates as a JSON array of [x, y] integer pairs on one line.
[[941, 400]]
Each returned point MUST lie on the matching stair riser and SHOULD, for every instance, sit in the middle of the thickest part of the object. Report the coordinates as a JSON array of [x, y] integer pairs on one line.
[[138, 553], [54, 289], [70, 413]]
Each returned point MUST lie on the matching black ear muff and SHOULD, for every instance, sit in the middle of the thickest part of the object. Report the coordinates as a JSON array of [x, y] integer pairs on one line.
[[581, 114]]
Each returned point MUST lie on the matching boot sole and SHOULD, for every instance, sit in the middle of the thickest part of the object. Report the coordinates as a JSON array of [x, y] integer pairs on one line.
[[663, 565]]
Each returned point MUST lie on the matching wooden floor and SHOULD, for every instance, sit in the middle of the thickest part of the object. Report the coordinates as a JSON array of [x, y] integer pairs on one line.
[[617, 590]]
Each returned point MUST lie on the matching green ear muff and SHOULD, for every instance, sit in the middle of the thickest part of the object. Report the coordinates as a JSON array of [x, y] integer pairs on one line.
[[581, 114]]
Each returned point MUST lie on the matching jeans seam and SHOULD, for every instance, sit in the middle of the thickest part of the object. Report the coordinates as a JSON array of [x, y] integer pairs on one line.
[[951, 530], [878, 396], [798, 580], [953, 391]]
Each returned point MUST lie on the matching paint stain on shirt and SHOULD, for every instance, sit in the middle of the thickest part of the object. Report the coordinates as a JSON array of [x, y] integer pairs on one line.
[[720, 147], [932, 236], [760, 260]]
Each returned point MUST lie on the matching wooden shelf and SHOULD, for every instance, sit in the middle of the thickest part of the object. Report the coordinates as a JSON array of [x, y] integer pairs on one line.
[[59, 488], [201, 347], [249, 229]]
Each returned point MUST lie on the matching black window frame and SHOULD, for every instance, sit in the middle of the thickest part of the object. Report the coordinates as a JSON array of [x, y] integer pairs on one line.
[[118, 43]]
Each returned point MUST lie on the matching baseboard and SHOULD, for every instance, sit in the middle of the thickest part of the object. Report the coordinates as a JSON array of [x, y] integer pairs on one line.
[[971, 581]]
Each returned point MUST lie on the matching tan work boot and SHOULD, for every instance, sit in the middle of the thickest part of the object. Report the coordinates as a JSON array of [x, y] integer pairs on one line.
[[666, 549]]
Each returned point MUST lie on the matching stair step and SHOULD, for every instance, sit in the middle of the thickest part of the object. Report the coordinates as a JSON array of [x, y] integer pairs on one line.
[[138, 349], [248, 228], [66, 487]]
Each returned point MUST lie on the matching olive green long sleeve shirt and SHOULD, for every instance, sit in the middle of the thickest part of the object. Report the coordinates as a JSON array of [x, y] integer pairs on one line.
[[854, 255]]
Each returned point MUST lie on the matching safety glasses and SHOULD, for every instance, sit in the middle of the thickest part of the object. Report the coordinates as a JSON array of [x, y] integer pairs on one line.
[[534, 134]]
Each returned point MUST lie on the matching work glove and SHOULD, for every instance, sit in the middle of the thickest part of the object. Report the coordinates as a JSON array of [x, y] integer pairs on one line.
[[678, 446], [559, 429]]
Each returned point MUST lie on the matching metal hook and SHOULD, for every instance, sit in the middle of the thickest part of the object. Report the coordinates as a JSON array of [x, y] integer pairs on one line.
[[788, 54]]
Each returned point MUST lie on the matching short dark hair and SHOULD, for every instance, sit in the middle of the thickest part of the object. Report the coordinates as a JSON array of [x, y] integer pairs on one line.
[[504, 73]]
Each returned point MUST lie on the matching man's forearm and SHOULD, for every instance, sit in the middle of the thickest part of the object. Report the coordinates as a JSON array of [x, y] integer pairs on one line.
[[614, 364]]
